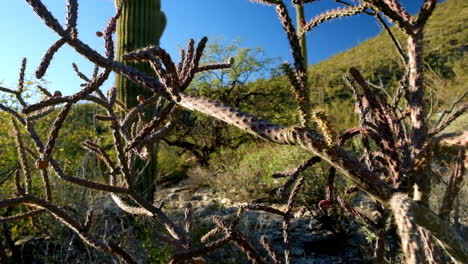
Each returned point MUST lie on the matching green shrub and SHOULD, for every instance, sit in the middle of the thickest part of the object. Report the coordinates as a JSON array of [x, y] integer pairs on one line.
[[245, 174]]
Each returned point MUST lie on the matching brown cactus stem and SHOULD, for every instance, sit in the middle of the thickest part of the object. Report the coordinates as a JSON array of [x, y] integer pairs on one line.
[[416, 90], [447, 238], [411, 243], [417, 111], [307, 139]]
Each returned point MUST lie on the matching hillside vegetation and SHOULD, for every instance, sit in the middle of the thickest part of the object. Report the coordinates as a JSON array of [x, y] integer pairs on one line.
[[446, 38]]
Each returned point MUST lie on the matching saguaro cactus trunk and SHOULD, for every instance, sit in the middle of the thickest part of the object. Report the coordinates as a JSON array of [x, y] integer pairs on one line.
[[141, 24], [302, 40]]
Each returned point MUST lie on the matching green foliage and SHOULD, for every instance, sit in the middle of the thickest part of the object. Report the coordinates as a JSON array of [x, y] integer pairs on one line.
[[245, 174], [80, 126], [202, 135], [171, 163], [158, 253]]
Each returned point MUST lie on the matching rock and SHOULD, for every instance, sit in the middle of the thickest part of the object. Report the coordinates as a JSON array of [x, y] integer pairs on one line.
[[225, 201], [311, 242]]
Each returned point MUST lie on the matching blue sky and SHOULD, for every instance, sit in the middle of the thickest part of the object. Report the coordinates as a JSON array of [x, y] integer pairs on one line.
[[24, 34]]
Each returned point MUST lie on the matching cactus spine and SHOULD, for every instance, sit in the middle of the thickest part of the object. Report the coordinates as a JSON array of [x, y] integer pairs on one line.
[[141, 24]]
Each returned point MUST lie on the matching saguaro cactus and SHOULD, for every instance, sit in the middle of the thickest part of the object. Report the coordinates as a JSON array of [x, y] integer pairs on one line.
[[141, 24], [303, 39]]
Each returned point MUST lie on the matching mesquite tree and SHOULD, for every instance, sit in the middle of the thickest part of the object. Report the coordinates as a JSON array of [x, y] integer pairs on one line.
[[141, 24], [394, 168]]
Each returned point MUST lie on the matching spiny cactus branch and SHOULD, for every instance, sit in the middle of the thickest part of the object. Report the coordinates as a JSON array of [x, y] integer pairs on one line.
[[455, 246], [454, 185], [415, 94], [99, 152], [41, 114], [108, 31], [302, 99], [425, 12], [46, 185], [55, 130], [13, 113], [407, 229], [294, 174], [41, 70], [197, 252], [44, 91], [132, 114], [240, 241], [175, 231], [74, 225], [271, 251], [215, 66], [264, 208], [296, 2], [72, 17], [307, 139], [394, 12], [21, 76], [24, 164], [350, 209], [332, 14], [153, 124]]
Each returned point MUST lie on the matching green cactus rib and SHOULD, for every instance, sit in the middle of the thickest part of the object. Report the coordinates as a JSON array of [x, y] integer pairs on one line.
[[141, 24]]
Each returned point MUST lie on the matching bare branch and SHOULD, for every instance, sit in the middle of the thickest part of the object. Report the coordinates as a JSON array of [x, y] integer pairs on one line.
[[454, 185], [294, 174], [271, 251], [21, 216]]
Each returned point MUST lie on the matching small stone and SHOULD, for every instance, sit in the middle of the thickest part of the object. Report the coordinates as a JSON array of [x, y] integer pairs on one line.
[[42, 164]]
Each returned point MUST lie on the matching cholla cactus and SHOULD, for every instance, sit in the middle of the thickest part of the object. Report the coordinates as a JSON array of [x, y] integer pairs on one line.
[[398, 154], [325, 126], [333, 14]]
